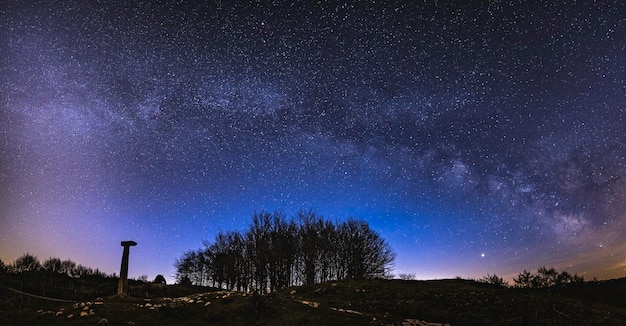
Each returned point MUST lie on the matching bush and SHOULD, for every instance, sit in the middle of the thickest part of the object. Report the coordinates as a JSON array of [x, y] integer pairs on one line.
[[159, 279], [494, 280], [545, 278]]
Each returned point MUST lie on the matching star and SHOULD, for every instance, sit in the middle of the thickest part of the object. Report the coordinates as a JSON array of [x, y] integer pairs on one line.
[[458, 126]]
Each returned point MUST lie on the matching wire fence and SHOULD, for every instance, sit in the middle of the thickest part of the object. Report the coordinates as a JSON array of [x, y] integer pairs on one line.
[[39, 296]]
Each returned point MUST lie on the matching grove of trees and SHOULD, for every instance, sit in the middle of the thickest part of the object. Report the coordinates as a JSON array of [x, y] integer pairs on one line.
[[29, 264], [63, 279], [276, 252]]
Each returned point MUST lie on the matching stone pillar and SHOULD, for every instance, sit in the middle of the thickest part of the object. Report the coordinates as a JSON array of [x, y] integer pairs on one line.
[[122, 285]]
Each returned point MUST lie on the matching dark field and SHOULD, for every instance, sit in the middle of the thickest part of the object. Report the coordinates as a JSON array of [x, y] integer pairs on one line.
[[368, 302]]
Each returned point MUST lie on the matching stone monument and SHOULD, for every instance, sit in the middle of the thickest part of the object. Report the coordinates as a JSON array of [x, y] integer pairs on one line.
[[122, 285]]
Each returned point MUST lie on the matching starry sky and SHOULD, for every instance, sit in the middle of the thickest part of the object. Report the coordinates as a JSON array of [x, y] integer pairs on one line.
[[475, 136]]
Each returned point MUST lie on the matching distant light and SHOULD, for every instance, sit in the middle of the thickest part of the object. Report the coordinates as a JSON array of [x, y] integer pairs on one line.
[[482, 255]]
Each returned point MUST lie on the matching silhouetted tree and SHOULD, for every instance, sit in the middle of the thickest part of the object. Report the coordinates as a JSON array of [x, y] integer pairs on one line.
[[68, 267], [276, 253], [494, 280], [184, 280], [26, 263], [227, 261], [82, 271], [192, 266], [3, 272], [544, 278], [310, 243], [259, 247], [523, 280], [406, 276], [283, 237], [52, 265], [363, 253]]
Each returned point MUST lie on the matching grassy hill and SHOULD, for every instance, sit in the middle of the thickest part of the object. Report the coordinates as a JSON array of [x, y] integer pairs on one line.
[[367, 302]]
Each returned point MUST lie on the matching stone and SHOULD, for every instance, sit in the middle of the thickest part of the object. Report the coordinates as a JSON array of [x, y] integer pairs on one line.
[[122, 285]]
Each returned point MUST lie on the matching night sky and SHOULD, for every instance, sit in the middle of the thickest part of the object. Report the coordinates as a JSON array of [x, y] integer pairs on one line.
[[475, 136]]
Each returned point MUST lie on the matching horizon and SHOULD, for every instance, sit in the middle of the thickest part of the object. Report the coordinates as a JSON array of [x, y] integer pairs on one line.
[[474, 138], [393, 274]]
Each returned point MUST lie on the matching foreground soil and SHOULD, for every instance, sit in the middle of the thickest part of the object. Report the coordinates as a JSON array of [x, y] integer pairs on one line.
[[368, 302]]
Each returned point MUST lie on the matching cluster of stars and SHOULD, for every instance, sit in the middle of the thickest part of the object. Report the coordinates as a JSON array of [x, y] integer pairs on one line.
[[499, 126]]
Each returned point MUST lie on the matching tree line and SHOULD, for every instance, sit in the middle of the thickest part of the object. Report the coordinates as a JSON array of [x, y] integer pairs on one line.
[[543, 278], [63, 279], [28, 263], [276, 252]]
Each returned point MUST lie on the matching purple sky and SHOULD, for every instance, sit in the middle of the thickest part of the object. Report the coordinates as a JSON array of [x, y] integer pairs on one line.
[[476, 138]]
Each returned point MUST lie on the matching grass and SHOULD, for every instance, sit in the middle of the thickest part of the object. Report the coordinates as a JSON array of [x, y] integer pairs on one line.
[[367, 302]]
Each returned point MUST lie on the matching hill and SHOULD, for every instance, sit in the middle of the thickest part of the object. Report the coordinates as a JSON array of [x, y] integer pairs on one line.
[[366, 302]]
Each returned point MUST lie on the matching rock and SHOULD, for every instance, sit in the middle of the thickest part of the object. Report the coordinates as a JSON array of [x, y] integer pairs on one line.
[[417, 322], [311, 303], [292, 292], [84, 313], [59, 313], [102, 321], [70, 316], [207, 303]]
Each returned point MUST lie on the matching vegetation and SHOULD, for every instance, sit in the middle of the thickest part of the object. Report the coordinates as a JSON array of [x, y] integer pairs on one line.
[[545, 278], [28, 263], [56, 278], [275, 253], [159, 279], [319, 273], [494, 280]]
